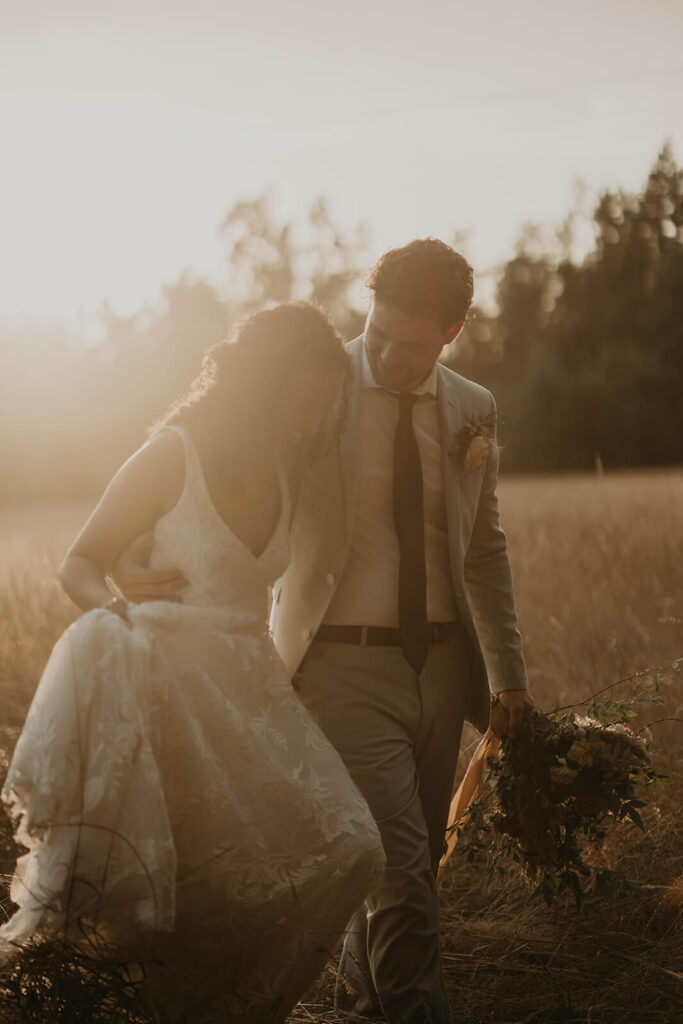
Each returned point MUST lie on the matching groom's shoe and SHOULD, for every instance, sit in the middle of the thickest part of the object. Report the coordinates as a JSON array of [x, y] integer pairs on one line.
[[368, 1009], [362, 1007]]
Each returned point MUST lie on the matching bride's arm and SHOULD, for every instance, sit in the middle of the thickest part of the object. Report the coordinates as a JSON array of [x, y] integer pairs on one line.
[[146, 487]]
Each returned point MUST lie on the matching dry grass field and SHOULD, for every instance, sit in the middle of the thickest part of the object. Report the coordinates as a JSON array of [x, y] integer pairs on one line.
[[599, 580]]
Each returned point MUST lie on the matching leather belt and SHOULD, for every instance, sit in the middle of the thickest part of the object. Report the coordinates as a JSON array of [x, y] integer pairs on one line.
[[379, 636]]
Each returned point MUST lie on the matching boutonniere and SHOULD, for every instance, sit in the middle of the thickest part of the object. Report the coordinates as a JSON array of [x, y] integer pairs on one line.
[[474, 442]]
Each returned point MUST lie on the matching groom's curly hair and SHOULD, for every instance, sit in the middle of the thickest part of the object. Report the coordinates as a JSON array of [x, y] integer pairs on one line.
[[425, 276]]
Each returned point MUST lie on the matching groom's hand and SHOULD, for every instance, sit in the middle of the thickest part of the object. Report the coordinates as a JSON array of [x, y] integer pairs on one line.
[[138, 582], [516, 704]]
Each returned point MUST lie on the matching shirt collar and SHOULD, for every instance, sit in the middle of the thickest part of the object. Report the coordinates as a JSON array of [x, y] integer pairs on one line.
[[427, 387]]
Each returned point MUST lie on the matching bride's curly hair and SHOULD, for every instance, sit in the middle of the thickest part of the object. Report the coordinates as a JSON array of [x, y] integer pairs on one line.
[[239, 389]]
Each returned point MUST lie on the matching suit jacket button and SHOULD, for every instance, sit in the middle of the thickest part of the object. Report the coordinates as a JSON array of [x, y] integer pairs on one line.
[[306, 634], [331, 579]]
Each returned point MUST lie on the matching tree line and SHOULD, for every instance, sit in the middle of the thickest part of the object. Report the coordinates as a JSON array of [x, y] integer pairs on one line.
[[584, 354], [586, 357]]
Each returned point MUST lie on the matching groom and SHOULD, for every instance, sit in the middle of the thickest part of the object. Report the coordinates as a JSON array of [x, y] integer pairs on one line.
[[396, 616]]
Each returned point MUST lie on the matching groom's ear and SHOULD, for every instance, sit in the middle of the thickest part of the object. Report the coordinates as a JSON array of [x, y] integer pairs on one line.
[[453, 332]]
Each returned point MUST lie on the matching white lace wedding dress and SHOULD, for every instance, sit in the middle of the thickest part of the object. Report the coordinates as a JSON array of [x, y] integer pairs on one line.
[[177, 801]]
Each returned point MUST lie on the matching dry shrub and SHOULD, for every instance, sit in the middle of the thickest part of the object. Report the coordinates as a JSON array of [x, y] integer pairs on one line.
[[599, 585], [56, 983]]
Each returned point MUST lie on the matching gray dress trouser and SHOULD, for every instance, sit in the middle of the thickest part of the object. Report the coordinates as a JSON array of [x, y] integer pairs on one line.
[[398, 734]]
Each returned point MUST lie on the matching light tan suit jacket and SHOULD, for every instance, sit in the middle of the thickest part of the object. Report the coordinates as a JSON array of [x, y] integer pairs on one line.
[[479, 564]]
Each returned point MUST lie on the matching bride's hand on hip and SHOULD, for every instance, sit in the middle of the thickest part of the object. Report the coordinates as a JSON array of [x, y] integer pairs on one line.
[[138, 582]]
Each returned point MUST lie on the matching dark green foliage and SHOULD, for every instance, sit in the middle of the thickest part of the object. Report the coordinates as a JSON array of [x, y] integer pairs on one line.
[[592, 351]]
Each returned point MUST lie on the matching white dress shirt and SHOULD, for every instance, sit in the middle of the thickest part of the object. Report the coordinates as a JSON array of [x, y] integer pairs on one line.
[[367, 593]]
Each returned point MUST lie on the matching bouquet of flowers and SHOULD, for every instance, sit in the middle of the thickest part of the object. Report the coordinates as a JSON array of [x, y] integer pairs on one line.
[[553, 792]]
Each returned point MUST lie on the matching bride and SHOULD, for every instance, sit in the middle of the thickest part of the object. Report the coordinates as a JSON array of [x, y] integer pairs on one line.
[[177, 802]]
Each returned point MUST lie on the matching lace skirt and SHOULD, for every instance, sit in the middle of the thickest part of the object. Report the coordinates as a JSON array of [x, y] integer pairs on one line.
[[180, 806]]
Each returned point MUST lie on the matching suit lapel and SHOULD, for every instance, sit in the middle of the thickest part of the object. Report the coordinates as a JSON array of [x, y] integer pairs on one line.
[[349, 440], [450, 420]]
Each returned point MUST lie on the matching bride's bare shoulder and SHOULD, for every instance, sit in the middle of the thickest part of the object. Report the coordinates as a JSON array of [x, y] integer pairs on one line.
[[158, 467], [165, 447], [145, 488]]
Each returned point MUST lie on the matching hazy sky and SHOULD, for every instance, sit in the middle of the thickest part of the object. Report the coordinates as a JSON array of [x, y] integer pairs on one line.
[[128, 128]]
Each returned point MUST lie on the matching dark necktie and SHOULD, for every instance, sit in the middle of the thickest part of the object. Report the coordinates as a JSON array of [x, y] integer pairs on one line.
[[410, 530]]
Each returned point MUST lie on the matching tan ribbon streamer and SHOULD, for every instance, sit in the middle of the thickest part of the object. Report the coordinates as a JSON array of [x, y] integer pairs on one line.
[[466, 792]]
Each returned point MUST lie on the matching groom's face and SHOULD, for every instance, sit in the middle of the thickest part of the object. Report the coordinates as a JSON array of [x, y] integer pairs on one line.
[[402, 347]]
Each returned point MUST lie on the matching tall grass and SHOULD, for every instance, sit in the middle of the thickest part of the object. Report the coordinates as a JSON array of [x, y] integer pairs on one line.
[[598, 576], [599, 584]]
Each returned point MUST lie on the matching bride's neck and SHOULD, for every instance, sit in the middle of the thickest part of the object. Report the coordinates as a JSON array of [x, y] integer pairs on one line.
[[235, 452]]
